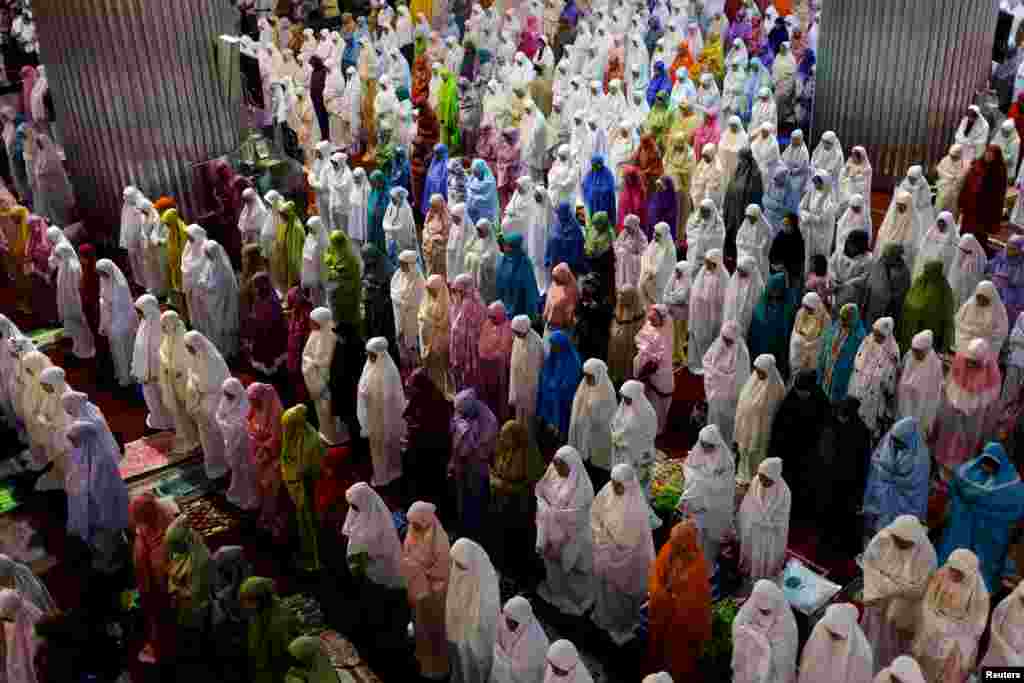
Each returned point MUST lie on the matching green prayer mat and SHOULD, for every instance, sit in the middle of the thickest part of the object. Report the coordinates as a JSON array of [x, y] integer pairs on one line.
[[46, 337]]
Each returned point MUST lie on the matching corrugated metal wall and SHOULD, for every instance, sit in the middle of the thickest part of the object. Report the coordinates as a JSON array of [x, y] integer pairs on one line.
[[896, 76], [136, 88]]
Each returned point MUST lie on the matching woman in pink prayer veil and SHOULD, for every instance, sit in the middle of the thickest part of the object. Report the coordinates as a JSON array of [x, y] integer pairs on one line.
[[521, 648], [623, 553], [767, 614], [837, 651], [467, 320], [653, 362], [495, 355], [21, 640], [1006, 637], [232, 417], [425, 565], [969, 409], [726, 371], [264, 423]]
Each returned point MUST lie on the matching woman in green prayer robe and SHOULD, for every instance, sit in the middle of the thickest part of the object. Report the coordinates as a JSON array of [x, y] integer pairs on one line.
[[448, 110], [660, 119], [176, 238], [301, 454], [189, 580], [930, 305], [272, 626], [599, 235], [343, 275], [286, 258], [314, 666]]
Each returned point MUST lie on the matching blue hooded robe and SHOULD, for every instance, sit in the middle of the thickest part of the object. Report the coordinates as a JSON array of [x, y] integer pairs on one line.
[[898, 480], [481, 194], [983, 509], [436, 181], [599, 188], [401, 171], [565, 244], [517, 284], [660, 82], [836, 368], [559, 378]]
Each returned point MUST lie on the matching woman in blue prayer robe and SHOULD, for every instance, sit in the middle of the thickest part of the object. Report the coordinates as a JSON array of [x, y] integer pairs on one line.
[[779, 199], [517, 284], [986, 501], [559, 378], [898, 480], [436, 181], [660, 82], [838, 349], [772, 323], [565, 244], [481, 193], [599, 188], [376, 209]]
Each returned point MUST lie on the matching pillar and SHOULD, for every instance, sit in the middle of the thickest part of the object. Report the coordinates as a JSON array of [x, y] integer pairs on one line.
[[138, 95], [896, 76]]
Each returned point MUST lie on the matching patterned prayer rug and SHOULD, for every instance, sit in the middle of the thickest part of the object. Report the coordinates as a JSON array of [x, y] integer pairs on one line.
[[44, 338], [211, 515], [149, 454], [182, 482]]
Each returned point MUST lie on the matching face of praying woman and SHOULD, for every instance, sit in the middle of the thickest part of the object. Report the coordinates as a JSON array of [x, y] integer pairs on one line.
[[761, 374], [879, 336], [956, 575], [48, 388], [561, 673], [405, 266], [981, 299], [626, 400], [618, 487], [190, 349], [766, 482], [590, 379], [919, 354], [371, 356]]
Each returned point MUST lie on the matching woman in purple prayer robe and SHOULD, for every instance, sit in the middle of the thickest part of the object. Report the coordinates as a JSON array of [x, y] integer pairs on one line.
[[97, 496], [662, 206], [265, 332]]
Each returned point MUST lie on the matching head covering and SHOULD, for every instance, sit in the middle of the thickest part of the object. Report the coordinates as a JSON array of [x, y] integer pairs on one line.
[[838, 650], [768, 614], [563, 655], [898, 480], [758, 402], [101, 502], [623, 545], [371, 531], [559, 377], [520, 653], [726, 365], [473, 602], [425, 560]]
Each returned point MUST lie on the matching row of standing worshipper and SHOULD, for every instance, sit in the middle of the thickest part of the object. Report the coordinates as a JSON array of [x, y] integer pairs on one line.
[[37, 167]]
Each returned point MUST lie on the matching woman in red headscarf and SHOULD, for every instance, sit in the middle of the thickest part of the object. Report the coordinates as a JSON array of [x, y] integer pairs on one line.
[[428, 134], [90, 292], [648, 159], [150, 519], [44, 292], [633, 196], [265, 429], [981, 200], [495, 357], [300, 305]]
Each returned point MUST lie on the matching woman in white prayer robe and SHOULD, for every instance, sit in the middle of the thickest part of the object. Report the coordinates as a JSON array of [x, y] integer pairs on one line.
[[951, 172], [742, 294], [763, 522], [967, 269], [767, 614], [358, 204], [812, 321], [916, 185], [983, 316], [233, 419], [564, 665], [623, 553], [528, 353], [118, 321], [593, 407], [564, 178], [837, 651], [734, 138], [972, 134], [634, 429], [818, 218], [174, 361], [380, 406], [755, 412], [29, 395], [707, 300], [254, 216], [340, 185], [939, 243], [629, 248], [69, 302], [460, 232], [521, 647], [316, 371], [564, 498], [9, 362], [207, 372], [705, 231], [754, 239], [764, 145], [218, 288], [900, 227], [371, 533], [764, 111], [954, 614], [481, 260], [653, 362], [726, 367], [919, 392], [52, 423], [709, 496], [828, 155], [1006, 636], [193, 264], [855, 178], [472, 611], [875, 376], [407, 291], [399, 224], [897, 565], [146, 368], [130, 234], [656, 265], [269, 234], [318, 180]]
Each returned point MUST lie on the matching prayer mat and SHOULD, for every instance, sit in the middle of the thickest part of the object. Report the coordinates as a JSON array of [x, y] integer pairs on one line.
[[149, 454], [182, 482], [9, 499], [210, 515], [666, 483], [44, 337], [341, 652]]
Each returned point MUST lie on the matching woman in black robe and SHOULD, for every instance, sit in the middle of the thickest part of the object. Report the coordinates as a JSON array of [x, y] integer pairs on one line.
[[378, 314], [844, 457], [428, 417], [787, 252], [593, 319], [796, 433], [888, 284], [745, 188], [317, 84], [346, 369]]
